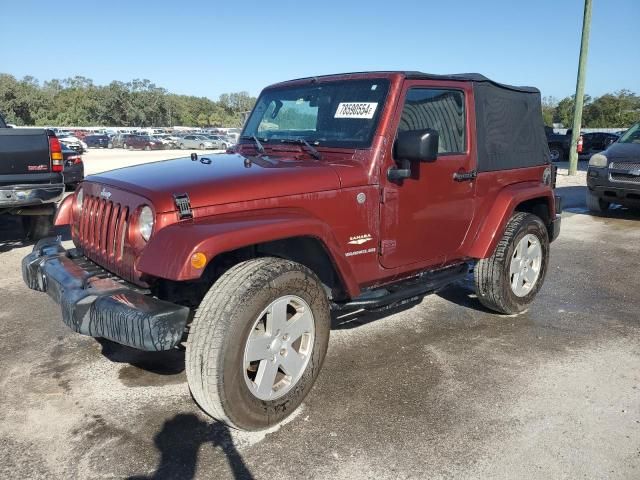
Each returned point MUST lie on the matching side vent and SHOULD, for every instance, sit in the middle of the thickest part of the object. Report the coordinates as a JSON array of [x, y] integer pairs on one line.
[[183, 205]]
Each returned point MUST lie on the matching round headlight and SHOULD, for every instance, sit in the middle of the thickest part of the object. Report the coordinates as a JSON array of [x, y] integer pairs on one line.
[[145, 222], [598, 160], [79, 198]]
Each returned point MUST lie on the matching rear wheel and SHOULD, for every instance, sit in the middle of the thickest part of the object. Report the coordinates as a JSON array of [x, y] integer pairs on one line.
[[147, 148], [125, 146], [109, 145], [508, 281], [257, 342], [182, 146], [596, 204], [556, 154], [202, 146]]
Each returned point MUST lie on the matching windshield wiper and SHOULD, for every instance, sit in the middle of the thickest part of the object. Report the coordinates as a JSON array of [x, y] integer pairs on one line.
[[301, 141], [259, 146]]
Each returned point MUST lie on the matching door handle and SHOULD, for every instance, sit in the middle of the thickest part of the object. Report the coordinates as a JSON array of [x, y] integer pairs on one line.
[[465, 176]]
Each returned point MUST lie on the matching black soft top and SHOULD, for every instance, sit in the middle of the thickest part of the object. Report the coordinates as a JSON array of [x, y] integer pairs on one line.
[[509, 127]]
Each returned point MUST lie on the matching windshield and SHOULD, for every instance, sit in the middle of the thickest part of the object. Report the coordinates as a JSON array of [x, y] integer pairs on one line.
[[632, 135], [340, 114]]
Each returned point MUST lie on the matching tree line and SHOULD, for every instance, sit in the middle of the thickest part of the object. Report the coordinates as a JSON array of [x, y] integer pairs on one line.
[[78, 101], [618, 109]]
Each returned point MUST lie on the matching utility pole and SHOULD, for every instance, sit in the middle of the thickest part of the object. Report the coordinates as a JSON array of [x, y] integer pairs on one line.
[[579, 98]]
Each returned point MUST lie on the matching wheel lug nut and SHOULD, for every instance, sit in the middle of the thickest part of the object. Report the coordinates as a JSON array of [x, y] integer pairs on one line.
[[285, 337], [283, 352]]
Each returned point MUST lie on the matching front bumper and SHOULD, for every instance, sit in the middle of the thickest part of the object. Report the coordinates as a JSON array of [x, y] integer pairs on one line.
[[102, 307], [602, 185], [23, 195]]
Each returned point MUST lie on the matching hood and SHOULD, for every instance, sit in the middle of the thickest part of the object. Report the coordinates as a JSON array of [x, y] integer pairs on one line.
[[623, 151], [228, 178]]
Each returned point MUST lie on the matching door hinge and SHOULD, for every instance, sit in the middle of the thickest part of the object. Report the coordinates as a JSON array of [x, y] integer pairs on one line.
[[388, 194]]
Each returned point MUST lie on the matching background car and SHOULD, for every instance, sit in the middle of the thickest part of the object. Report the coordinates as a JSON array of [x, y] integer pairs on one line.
[[72, 142], [195, 141], [219, 141], [594, 142], [143, 142], [96, 141], [119, 140], [73, 167]]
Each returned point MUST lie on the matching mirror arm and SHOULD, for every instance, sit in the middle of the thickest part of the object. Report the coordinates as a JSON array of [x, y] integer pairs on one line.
[[395, 173]]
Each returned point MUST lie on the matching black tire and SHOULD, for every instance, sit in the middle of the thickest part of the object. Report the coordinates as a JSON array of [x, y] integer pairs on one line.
[[492, 275], [147, 148], [596, 204], [223, 323], [36, 227], [556, 153], [109, 145], [182, 146], [125, 146], [202, 146]]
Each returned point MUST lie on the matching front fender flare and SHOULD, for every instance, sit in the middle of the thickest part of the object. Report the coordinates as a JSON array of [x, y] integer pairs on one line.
[[168, 254], [64, 213], [492, 229]]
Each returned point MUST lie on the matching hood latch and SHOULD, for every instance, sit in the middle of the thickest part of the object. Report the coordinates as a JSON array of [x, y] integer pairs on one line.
[[183, 205]]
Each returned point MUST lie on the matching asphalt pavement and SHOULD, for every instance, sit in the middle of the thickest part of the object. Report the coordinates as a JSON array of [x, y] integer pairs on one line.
[[443, 389]]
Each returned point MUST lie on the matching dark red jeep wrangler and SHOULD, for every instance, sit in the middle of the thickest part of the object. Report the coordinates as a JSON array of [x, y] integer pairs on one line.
[[355, 191]]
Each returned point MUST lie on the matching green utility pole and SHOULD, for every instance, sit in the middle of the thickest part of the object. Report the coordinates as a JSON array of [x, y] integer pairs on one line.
[[579, 99]]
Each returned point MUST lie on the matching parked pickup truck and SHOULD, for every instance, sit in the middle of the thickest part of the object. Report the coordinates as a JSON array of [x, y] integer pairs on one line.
[[345, 192], [31, 183]]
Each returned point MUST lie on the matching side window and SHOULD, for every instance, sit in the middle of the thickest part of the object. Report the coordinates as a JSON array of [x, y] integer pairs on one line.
[[438, 109]]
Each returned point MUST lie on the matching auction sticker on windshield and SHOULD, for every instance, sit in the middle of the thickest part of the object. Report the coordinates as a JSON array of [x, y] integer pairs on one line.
[[356, 110]]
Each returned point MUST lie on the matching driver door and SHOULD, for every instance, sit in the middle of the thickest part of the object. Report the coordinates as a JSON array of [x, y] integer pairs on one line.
[[425, 218]]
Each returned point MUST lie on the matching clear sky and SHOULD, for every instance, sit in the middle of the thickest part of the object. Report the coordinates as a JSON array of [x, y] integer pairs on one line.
[[206, 48]]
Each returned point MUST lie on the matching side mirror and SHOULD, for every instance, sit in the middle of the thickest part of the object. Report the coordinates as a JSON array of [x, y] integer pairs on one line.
[[417, 145]]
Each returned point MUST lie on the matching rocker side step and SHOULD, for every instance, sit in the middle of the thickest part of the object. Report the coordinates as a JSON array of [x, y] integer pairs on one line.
[[407, 290]]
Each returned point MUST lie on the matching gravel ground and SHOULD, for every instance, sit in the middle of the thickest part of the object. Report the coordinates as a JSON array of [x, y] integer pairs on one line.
[[444, 389]]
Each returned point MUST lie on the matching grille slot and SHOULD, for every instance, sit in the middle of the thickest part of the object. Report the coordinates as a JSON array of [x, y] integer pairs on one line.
[[102, 234], [625, 172]]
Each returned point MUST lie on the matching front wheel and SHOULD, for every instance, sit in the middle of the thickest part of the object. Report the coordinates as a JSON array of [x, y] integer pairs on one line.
[[202, 146], [508, 281], [147, 148], [257, 342]]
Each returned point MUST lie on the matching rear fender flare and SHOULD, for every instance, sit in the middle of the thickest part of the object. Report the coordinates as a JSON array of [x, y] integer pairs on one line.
[[168, 254], [506, 202]]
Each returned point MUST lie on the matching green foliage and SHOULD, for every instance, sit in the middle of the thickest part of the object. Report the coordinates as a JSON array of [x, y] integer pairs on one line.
[[619, 109], [139, 103]]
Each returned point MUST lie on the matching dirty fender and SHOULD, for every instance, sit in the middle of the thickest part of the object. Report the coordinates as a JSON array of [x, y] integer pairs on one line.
[[212, 236], [492, 229]]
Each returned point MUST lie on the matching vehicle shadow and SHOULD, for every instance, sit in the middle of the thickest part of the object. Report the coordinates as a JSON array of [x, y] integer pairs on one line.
[[169, 362], [574, 201], [179, 442], [12, 235]]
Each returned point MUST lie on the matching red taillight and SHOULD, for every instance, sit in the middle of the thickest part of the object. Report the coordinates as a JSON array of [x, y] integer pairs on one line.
[[56, 154], [580, 143], [75, 159]]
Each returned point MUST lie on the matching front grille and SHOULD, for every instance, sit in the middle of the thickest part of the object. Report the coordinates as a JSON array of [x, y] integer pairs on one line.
[[102, 233], [628, 172], [621, 177]]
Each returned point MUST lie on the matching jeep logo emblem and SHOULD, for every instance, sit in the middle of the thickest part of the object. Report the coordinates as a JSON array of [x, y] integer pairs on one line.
[[104, 193]]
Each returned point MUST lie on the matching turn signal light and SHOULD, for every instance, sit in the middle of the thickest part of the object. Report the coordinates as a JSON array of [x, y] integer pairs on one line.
[[198, 260]]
